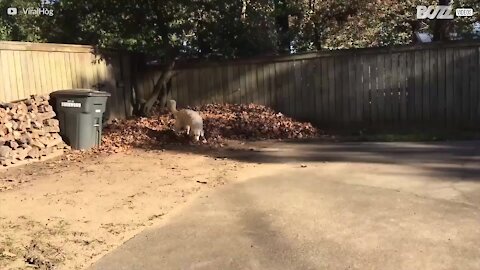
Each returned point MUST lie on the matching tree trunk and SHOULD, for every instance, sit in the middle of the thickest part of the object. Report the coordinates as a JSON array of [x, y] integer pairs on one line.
[[137, 100], [282, 25], [160, 89], [440, 31]]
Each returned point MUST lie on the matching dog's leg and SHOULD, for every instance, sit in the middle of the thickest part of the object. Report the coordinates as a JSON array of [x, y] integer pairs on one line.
[[188, 130], [177, 127]]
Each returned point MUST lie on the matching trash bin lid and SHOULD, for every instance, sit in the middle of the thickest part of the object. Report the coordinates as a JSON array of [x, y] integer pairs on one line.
[[81, 93]]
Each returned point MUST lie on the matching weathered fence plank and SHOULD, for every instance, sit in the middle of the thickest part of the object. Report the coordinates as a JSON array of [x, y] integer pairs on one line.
[[403, 84], [474, 88], [324, 95], [395, 88], [449, 87], [433, 86], [358, 90], [441, 73], [458, 84], [418, 92]]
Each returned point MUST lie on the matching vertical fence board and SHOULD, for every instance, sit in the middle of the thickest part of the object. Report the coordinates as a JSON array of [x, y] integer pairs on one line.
[[73, 69], [263, 83], [260, 91], [441, 87], [322, 96], [20, 74], [253, 88], [381, 90], [287, 97], [433, 87], [338, 88], [449, 86], [346, 99], [403, 84], [475, 87], [80, 71], [426, 86], [218, 85], [248, 84], [366, 87], [68, 70], [212, 85], [225, 93], [352, 89], [418, 86], [458, 84], [202, 81], [301, 104], [12, 73], [268, 84], [478, 86], [394, 86], [374, 89], [40, 71], [180, 87], [357, 89], [242, 71], [60, 61], [279, 87], [466, 55], [27, 76], [289, 77], [388, 89], [93, 70], [208, 86], [195, 95], [317, 88], [410, 97], [238, 87], [310, 90], [272, 89], [35, 83], [88, 70], [331, 90], [295, 87], [53, 72], [230, 88], [5, 93], [3, 89]]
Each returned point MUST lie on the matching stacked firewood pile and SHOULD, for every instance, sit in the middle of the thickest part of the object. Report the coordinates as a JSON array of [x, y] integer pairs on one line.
[[28, 131]]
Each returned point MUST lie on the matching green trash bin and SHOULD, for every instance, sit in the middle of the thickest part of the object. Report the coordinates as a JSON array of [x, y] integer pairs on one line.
[[80, 113]]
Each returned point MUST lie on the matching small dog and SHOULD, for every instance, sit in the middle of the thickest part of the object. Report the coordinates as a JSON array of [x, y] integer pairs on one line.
[[188, 120]]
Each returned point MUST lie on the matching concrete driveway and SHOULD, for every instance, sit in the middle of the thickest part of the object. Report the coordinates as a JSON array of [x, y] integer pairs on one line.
[[354, 206]]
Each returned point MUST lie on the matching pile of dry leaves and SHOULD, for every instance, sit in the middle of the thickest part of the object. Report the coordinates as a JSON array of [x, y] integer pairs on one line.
[[221, 122], [251, 122]]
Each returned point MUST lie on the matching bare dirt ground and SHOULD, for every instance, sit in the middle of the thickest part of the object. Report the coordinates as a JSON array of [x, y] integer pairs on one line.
[[64, 214]]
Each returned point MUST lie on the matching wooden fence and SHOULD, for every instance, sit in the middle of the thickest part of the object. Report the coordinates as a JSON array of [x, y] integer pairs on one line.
[[411, 86], [33, 68]]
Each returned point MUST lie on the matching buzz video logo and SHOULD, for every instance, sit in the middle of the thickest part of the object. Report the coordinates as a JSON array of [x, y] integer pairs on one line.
[[442, 12]]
